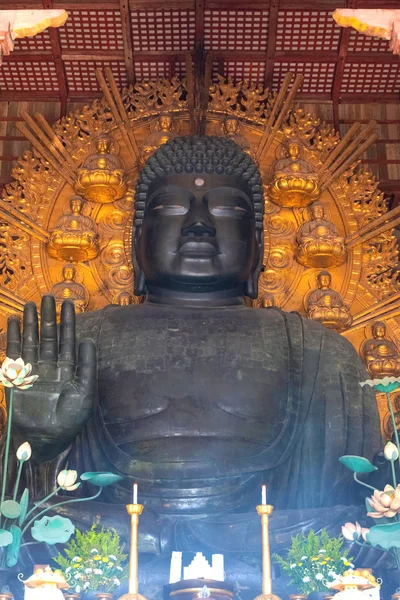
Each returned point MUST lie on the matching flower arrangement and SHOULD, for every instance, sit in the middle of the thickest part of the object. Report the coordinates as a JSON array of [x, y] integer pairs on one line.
[[94, 561], [383, 505], [313, 561], [17, 515]]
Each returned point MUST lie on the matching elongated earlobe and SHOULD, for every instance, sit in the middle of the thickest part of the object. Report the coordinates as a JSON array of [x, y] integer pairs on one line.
[[140, 283]]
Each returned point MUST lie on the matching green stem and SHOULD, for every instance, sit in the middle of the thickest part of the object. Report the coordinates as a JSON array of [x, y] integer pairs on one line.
[[37, 504], [7, 448], [362, 483], [393, 473], [60, 504], [396, 435], [21, 464]]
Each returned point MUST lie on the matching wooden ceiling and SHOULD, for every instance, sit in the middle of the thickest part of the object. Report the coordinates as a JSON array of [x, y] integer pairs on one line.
[[259, 40]]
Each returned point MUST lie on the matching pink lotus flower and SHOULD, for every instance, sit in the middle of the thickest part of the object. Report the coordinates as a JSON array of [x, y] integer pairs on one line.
[[386, 503], [351, 532]]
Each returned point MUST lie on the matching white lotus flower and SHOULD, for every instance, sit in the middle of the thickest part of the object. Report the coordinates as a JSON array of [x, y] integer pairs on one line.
[[66, 480], [351, 532], [15, 373], [391, 451], [24, 452]]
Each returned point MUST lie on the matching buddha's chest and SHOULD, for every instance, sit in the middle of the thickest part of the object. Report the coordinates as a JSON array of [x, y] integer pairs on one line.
[[193, 372]]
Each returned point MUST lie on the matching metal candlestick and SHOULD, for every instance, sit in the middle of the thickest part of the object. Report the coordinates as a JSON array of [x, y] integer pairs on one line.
[[265, 510], [134, 510]]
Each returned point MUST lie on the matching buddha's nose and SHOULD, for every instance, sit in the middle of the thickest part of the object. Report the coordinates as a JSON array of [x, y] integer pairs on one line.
[[198, 229], [198, 222]]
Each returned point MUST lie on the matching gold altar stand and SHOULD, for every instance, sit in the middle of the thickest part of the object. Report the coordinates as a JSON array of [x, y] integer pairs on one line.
[[190, 589]]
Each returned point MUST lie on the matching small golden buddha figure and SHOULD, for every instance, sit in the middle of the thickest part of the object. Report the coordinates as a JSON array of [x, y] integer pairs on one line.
[[319, 243], [326, 305], [231, 129], [75, 237], [294, 182], [69, 289], [164, 130], [265, 300], [380, 355], [102, 176]]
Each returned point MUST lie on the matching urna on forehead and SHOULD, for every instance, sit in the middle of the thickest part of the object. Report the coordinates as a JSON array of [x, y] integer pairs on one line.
[[209, 155]]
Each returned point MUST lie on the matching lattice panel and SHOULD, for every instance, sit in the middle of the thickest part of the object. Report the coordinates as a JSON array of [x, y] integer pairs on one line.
[[373, 78], [81, 76], [155, 30], [32, 76], [306, 30], [152, 70], [236, 29], [92, 30], [41, 41], [362, 43], [318, 77], [245, 70]]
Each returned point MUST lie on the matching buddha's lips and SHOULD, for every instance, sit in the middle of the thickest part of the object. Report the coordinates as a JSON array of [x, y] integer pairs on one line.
[[196, 247]]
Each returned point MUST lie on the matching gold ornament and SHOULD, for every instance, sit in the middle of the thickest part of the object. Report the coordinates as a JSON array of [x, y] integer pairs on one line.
[[319, 243], [75, 237], [69, 289], [294, 183], [231, 128], [102, 176], [380, 355], [326, 305], [165, 129]]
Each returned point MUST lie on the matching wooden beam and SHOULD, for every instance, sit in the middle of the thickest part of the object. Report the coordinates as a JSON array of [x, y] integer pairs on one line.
[[127, 40], [59, 63], [271, 42]]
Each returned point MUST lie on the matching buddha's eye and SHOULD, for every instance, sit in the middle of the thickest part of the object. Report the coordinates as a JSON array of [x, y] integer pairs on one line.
[[224, 203], [227, 210], [170, 205]]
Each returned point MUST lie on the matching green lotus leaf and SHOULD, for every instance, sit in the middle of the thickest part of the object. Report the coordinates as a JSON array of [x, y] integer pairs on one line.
[[10, 509], [389, 387], [385, 536], [12, 552], [6, 538], [24, 502], [357, 464], [52, 530], [101, 478]]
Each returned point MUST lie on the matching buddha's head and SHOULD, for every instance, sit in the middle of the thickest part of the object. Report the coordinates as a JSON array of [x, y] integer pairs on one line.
[[324, 280], [199, 219], [76, 205], [293, 149], [318, 211], [69, 273], [379, 330], [103, 144], [165, 122], [231, 125]]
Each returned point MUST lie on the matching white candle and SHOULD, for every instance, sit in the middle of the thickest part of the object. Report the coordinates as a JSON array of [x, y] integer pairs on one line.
[[218, 567], [135, 493], [176, 567], [263, 494]]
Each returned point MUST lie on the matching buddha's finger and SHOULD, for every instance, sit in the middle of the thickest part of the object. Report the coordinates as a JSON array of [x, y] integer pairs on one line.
[[48, 330], [67, 333], [30, 334], [13, 349], [86, 370]]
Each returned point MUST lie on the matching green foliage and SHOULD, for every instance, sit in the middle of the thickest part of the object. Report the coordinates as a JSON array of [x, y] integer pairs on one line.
[[313, 560], [385, 535], [13, 549], [53, 530], [357, 464], [10, 509], [94, 561]]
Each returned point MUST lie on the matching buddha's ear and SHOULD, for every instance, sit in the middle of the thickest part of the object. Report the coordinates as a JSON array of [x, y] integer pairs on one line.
[[140, 288], [251, 287]]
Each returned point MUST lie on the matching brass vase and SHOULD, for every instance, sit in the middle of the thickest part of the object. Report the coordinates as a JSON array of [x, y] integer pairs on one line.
[[71, 596]]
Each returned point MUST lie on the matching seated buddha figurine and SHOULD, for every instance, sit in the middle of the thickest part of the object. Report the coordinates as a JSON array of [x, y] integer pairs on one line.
[[75, 236], [231, 129], [69, 289], [294, 182], [380, 354], [102, 176], [326, 305], [195, 396], [164, 131], [319, 243]]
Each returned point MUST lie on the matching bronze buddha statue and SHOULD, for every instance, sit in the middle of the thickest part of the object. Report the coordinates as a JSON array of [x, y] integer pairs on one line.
[[200, 397]]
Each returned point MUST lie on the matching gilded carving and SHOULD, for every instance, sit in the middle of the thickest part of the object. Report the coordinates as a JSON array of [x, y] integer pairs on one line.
[[326, 305], [380, 354], [70, 289], [245, 100], [164, 128], [231, 127]]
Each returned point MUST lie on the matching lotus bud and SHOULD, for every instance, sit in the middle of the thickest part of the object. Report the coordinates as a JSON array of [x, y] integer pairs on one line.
[[391, 451], [24, 452], [66, 480], [351, 532]]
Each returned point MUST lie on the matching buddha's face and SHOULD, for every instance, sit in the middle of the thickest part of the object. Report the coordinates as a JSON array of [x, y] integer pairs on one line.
[[68, 273], [165, 122], [379, 330], [198, 234], [324, 280], [103, 145], [294, 150], [231, 126], [318, 211], [76, 205]]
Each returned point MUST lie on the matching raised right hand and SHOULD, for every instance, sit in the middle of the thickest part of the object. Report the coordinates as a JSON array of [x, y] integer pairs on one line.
[[54, 410]]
